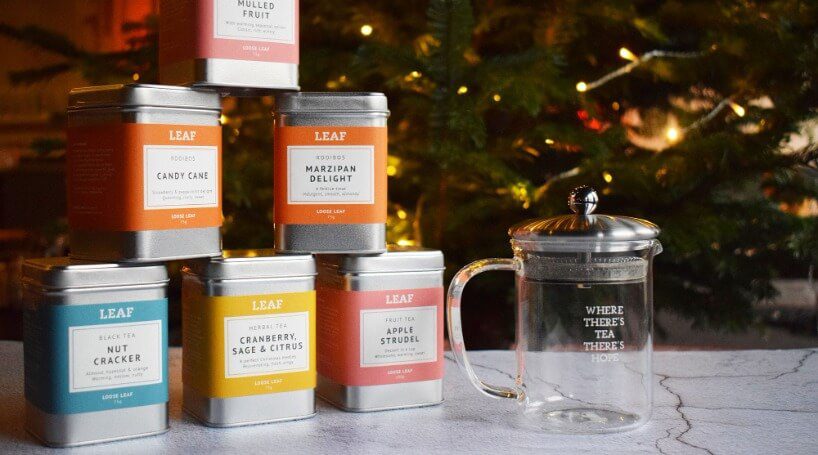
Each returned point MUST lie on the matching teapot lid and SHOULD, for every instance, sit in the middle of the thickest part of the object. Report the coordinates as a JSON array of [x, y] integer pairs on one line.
[[584, 225]]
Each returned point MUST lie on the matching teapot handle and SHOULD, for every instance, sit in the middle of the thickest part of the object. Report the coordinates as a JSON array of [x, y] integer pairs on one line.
[[455, 327]]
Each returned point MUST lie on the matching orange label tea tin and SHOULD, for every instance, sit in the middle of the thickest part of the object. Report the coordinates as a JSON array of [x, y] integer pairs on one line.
[[330, 172], [143, 173]]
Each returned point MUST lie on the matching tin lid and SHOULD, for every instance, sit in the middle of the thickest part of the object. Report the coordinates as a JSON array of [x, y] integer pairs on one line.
[[584, 225], [329, 102], [65, 273], [238, 264], [396, 259], [132, 95]]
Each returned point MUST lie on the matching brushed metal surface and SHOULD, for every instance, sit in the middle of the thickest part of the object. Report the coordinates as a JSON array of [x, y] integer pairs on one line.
[[252, 264], [356, 104], [71, 430], [145, 246], [331, 238], [396, 259], [140, 95], [232, 77], [59, 273], [251, 409], [380, 397]]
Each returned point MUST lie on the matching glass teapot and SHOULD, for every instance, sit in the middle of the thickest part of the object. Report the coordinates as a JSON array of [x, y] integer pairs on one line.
[[584, 319]]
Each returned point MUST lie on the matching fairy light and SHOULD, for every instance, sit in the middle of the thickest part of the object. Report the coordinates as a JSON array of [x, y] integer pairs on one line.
[[625, 53], [636, 62], [462, 90], [549, 141], [672, 134], [412, 76], [135, 76], [222, 119], [406, 242], [737, 108], [366, 30], [402, 214], [497, 97], [391, 170], [607, 177]]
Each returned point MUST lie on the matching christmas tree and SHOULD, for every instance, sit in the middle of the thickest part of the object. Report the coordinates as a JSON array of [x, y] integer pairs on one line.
[[691, 114]]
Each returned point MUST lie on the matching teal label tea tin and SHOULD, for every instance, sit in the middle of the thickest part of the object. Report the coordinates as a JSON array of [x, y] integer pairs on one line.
[[96, 351], [84, 358]]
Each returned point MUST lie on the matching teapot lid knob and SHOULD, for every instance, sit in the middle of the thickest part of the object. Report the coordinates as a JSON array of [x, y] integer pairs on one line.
[[583, 200]]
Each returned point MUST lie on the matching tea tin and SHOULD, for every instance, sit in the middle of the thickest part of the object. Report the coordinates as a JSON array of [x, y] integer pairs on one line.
[[330, 172], [249, 338], [95, 350], [237, 47], [380, 329], [143, 173]]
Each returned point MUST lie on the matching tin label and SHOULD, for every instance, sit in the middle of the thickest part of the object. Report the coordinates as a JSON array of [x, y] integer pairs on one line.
[[84, 358], [260, 345], [131, 354], [250, 30], [394, 337], [248, 345], [380, 337], [330, 175], [265, 20], [180, 176], [132, 177]]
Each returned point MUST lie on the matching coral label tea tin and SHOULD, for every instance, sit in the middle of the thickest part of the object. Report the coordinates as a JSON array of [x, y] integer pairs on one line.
[[144, 173], [249, 338], [239, 47], [380, 329], [96, 366], [330, 172]]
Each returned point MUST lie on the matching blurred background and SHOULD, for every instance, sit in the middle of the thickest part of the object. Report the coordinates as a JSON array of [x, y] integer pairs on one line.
[[697, 115]]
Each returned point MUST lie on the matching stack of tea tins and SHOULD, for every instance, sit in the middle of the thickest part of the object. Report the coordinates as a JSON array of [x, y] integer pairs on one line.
[[144, 187]]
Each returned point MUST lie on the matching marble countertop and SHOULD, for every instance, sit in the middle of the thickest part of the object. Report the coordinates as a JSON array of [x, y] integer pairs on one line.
[[717, 402]]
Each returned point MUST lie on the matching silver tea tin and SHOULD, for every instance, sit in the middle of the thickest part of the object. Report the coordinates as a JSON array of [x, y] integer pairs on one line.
[[330, 172], [233, 306], [239, 48], [131, 151], [95, 351], [362, 302]]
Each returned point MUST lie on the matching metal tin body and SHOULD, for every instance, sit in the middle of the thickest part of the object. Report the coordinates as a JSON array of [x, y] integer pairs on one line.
[[207, 46], [57, 291], [231, 77], [327, 113], [232, 280], [125, 106], [400, 271]]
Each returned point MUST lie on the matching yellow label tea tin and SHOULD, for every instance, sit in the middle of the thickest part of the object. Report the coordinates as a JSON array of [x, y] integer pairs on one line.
[[249, 338]]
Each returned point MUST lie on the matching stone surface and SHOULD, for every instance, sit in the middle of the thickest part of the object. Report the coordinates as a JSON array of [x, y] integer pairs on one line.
[[717, 402]]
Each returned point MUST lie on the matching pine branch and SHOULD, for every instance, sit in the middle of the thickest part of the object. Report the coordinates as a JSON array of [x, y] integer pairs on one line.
[[44, 39], [32, 76]]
